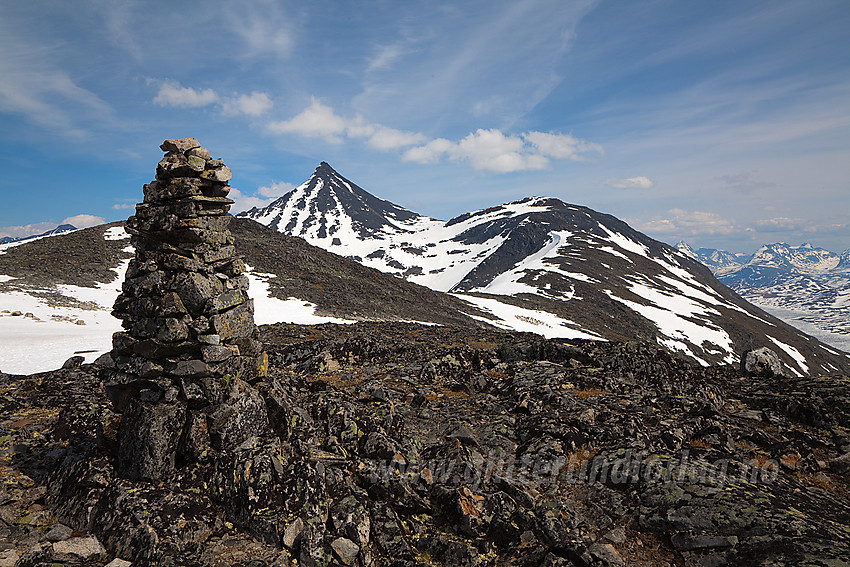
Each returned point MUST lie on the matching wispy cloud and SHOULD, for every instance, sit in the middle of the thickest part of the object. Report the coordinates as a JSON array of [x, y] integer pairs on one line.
[[26, 229], [639, 182], [264, 27], [84, 220], [262, 197], [275, 189], [745, 181], [34, 86]]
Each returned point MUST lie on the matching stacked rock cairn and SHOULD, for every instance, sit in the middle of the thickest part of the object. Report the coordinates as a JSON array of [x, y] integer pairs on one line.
[[190, 344]]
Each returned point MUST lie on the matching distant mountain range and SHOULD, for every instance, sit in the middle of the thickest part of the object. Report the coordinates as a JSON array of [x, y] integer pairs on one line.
[[543, 265], [62, 228], [806, 286]]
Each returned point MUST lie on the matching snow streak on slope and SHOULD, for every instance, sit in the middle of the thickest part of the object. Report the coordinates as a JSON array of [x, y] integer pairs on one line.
[[508, 283], [516, 318]]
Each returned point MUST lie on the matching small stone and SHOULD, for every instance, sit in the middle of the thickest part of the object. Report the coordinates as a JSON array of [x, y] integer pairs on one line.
[[212, 353], [181, 145], [346, 550], [196, 163], [190, 368], [17, 314], [73, 362], [220, 174], [105, 361], [118, 563], [59, 532], [200, 152], [87, 547], [209, 339], [292, 533], [606, 553], [9, 558], [616, 535]]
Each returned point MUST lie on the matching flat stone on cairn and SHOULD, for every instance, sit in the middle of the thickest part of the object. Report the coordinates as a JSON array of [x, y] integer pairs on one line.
[[190, 341]]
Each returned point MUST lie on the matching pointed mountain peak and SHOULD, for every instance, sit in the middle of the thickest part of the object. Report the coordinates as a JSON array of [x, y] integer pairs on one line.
[[325, 168], [330, 207]]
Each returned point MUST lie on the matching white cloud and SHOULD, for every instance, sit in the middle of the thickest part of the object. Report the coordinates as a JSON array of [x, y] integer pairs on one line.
[[690, 223], [172, 93], [315, 121], [276, 189], [262, 197], [430, 152], [639, 182], [123, 206], [485, 149], [492, 150], [84, 221], [254, 104], [26, 230], [384, 138], [320, 121], [79, 221]]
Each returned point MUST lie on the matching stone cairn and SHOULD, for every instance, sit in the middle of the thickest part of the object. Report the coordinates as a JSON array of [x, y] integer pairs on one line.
[[190, 345]]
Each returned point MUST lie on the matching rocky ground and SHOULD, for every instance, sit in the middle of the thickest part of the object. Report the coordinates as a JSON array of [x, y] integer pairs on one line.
[[402, 444]]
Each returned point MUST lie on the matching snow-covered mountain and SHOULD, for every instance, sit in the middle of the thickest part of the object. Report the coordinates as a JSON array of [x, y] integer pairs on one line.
[[718, 261], [61, 229], [543, 265], [806, 286]]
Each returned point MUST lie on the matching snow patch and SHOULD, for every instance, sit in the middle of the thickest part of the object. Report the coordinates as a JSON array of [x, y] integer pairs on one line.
[[269, 310], [115, 233], [799, 359]]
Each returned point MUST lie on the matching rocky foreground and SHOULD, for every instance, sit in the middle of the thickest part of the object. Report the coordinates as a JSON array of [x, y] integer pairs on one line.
[[402, 444]]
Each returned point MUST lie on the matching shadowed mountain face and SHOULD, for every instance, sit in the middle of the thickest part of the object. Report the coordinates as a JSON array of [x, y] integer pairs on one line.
[[543, 265]]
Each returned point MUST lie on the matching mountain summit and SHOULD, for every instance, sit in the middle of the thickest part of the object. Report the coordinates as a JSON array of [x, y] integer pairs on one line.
[[328, 207], [539, 264]]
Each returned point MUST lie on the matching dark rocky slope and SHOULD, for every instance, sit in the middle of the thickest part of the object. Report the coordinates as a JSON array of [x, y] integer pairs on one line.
[[339, 286], [401, 444]]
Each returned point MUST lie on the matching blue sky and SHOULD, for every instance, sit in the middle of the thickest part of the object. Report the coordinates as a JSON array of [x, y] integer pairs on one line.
[[724, 123]]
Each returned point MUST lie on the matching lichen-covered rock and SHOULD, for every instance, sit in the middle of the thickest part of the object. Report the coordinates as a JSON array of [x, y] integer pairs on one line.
[[147, 440], [425, 445]]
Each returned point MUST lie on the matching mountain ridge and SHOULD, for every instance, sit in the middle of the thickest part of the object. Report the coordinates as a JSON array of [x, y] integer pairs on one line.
[[570, 270]]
